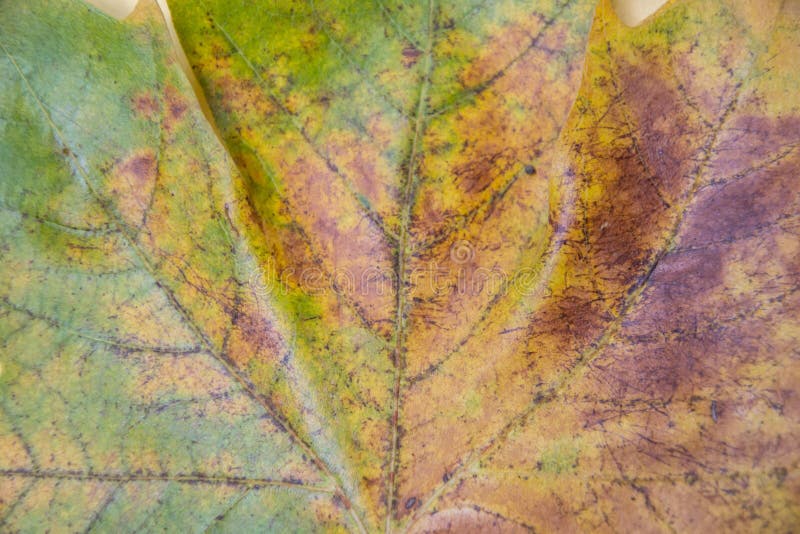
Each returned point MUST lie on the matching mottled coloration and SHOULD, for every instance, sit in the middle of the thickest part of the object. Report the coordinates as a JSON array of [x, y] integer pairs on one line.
[[436, 266]]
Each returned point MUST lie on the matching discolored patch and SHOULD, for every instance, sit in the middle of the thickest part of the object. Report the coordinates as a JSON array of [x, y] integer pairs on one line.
[[146, 105], [449, 268], [131, 184]]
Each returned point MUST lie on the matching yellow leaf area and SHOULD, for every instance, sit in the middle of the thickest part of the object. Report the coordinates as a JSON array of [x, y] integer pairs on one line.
[[438, 266]]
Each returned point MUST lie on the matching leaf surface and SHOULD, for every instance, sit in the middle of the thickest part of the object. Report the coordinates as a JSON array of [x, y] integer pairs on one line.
[[122, 407], [446, 266]]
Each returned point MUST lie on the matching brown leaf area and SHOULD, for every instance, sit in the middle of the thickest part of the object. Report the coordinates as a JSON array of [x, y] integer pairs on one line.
[[634, 368], [664, 364]]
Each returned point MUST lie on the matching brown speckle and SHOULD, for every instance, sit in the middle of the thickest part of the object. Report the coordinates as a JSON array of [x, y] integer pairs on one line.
[[145, 105], [410, 56]]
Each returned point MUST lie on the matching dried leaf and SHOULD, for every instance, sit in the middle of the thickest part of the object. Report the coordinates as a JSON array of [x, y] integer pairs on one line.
[[443, 266]]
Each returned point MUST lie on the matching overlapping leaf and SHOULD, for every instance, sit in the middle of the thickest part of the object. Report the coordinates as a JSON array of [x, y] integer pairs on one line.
[[122, 272], [448, 267]]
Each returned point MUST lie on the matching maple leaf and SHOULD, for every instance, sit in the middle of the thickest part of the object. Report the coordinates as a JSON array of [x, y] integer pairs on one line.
[[435, 266]]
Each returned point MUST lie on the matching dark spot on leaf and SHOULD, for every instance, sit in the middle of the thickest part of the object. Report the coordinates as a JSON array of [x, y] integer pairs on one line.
[[146, 105], [177, 109], [142, 167], [780, 474], [410, 56], [530, 169], [411, 52], [410, 503]]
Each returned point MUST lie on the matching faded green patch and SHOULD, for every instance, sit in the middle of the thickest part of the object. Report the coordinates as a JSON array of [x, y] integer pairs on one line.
[[560, 458]]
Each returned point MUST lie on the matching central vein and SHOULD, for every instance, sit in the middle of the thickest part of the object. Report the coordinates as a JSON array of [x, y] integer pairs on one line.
[[401, 266]]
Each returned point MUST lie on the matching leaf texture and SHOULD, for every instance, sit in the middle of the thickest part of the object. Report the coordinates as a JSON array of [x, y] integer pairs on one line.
[[441, 266], [122, 274]]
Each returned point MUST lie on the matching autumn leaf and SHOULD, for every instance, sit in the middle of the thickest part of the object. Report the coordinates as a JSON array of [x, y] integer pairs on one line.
[[426, 266]]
